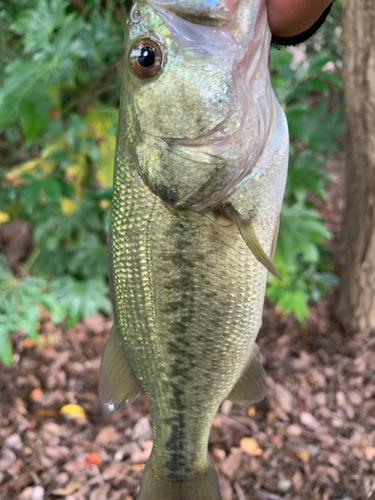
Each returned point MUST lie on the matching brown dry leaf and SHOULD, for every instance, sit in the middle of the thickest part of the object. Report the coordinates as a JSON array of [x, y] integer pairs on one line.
[[142, 429], [297, 481], [139, 455], [68, 490], [294, 430], [369, 452], [44, 413], [284, 398], [93, 459], [113, 470], [106, 435], [251, 447], [232, 462], [309, 420], [225, 488], [100, 493]]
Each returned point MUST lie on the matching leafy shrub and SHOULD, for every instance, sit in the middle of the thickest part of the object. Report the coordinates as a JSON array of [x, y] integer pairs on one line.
[[59, 90], [312, 99]]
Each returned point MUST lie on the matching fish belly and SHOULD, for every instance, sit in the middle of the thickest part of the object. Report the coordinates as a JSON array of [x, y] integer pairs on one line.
[[188, 298]]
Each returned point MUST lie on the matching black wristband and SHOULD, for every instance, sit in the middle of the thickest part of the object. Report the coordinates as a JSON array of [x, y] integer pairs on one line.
[[295, 40]]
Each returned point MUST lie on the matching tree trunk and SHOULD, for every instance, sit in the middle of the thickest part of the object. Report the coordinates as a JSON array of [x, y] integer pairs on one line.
[[357, 294]]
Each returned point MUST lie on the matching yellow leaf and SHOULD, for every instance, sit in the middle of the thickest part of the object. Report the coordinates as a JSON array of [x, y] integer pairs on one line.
[[104, 204], [4, 217], [304, 456], [76, 174], [137, 467], [68, 206], [100, 122], [14, 175], [251, 411], [251, 447], [68, 490], [73, 411]]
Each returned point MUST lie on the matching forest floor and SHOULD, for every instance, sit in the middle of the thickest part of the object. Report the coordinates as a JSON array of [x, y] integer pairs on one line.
[[311, 438]]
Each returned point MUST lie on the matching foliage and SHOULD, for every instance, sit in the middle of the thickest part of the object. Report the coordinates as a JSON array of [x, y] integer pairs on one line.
[[60, 84], [59, 89], [312, 99]]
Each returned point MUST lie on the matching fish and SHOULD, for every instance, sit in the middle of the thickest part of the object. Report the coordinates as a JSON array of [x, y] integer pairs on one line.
[[200, 170]]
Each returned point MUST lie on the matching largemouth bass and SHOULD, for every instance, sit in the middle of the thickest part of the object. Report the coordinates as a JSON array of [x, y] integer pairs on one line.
[[200, 170]]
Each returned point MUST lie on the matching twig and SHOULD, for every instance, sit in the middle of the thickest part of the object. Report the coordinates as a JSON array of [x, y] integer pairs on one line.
[[266, 495], [233, 423], [20, 480], [240, 493]]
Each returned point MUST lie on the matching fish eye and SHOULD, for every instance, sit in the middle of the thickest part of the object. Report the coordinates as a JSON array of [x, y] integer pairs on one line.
[[146, 58]]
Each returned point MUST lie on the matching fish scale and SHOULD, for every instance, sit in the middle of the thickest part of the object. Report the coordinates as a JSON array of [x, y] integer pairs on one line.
[[178, 290], [193, 224]]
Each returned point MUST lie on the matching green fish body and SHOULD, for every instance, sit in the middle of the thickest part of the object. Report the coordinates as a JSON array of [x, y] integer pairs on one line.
[[200, 171]]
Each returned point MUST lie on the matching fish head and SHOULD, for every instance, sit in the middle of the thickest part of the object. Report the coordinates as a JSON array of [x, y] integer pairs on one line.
[[197, 95]]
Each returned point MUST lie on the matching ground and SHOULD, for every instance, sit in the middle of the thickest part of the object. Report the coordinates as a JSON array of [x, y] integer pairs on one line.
[[311, 438]]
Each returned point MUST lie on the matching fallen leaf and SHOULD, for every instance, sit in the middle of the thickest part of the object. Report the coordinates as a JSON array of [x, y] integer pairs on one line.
[[143, 455], [251, 447], [142, 429], [44, 413], [36, 395], [232, 462], [137, 467], [93, 459], [304, 456], [28, 343], [101, 492], [251, 411], [284, 398], [106, 435], [309, 420], [294, 430], [226, 407], [68, 490], [73, 411], [369, 452]]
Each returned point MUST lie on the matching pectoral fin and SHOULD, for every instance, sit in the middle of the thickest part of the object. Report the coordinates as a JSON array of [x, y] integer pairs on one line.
[[251, 386], [248, 234], [117, 385]]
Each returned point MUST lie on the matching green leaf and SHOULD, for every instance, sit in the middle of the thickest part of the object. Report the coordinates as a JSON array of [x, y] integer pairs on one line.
[[34, 115], [294, 302], [88, 258], [5, 345], [301, 230], [81, 298], [317, 62]]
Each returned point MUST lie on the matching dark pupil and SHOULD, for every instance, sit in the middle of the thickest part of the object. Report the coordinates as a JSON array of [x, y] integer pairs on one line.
[[147, 57]]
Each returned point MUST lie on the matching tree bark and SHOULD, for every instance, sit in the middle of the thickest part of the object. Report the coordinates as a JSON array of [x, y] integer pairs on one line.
[[357, 293]]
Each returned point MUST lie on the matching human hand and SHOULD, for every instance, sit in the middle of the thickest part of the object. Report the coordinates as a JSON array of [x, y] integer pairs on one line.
[[289, 18]]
